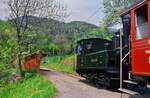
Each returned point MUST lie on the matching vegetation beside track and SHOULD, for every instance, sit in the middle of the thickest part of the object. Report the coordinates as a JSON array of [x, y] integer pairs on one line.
[[34, 87], [61, 63]]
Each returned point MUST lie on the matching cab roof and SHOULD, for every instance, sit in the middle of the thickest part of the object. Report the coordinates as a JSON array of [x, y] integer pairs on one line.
[[89, 39]]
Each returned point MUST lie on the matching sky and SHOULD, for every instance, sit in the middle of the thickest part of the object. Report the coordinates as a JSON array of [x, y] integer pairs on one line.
[[81, 10], [78, 10], [4, 11]]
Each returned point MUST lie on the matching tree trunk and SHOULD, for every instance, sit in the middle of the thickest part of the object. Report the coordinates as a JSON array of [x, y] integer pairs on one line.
[[20, 65], [53, 52], [19, 53]]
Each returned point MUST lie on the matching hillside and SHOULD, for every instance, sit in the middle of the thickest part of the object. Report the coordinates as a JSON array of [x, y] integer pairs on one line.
[[53, 27], [50, 34]]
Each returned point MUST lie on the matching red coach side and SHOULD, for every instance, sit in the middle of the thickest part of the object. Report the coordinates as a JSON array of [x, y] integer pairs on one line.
[[140, 39]]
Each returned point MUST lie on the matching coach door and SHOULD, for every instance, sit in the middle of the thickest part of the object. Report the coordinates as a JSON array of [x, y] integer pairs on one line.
[[140, 35]]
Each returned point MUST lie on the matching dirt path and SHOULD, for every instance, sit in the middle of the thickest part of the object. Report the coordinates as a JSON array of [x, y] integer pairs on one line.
[[73, 87]]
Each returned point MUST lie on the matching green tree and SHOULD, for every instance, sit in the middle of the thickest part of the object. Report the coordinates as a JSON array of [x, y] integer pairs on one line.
[[102, 32], [52, 48], [8, 51], [113, 8], [20, 10]]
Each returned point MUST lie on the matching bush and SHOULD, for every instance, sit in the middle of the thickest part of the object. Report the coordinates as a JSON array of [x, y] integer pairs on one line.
[[8, 48]]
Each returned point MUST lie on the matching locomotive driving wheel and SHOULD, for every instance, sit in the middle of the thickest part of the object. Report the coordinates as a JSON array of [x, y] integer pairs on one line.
[[103, 81]]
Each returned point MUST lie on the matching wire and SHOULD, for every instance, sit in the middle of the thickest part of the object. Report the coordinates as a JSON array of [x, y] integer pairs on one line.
[[93, 14]]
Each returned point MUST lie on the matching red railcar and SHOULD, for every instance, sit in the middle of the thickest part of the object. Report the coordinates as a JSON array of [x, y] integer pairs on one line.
[[136, 29], [140, 37]]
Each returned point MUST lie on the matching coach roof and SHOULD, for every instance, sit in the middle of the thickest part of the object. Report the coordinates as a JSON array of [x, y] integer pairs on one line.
[[137, 4]]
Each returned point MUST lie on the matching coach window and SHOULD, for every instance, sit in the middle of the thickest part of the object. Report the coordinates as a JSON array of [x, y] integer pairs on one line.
[[142, 22]]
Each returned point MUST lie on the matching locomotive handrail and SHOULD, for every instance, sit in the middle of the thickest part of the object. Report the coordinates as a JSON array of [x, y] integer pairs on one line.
[[125, 56], [100, 52], [96, 52]]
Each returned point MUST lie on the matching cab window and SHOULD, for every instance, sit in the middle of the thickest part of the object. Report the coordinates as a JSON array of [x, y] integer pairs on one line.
[[142, 22]]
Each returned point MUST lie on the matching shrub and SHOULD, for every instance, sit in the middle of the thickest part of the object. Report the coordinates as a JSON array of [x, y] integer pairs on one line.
[[34, 87]]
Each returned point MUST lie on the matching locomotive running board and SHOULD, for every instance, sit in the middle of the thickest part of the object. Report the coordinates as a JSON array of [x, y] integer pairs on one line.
[[128, 91], [130, 82], [133, 82], [148, 86]]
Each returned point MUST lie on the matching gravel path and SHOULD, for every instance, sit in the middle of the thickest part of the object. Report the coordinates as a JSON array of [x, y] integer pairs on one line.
[[73, 87]]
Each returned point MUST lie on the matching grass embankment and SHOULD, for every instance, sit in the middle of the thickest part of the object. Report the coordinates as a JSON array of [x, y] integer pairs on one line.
[[35, 87], [62, 64]]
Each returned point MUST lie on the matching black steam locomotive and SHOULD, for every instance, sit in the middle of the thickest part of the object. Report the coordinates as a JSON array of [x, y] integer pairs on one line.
[[98, 60]]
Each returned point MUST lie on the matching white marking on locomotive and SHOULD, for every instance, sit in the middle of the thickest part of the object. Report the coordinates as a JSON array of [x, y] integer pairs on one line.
[[149, 41], [149, 60], [147, 51]]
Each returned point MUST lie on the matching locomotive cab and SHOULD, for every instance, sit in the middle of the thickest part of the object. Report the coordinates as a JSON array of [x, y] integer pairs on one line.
[[92, 55]]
